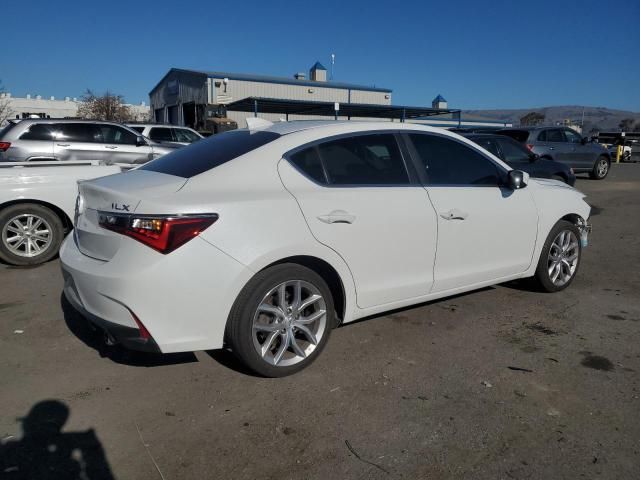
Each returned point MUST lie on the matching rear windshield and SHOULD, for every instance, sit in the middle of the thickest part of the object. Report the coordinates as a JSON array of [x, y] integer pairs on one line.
[[6, 129], [209, 153], [518, 135]]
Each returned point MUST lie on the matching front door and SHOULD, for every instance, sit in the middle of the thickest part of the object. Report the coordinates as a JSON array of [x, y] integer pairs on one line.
[[485, 230], [358, 199], [121, 145]]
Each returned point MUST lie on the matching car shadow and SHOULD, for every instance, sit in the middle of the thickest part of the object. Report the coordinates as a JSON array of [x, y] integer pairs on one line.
[[227, 359], [94, 338], [46, 452]]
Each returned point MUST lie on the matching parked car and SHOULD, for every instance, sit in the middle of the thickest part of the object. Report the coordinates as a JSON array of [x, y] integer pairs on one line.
[[266, 239], [564, 145], [37, 207], [51, 139], [519, 157], [166, 133]]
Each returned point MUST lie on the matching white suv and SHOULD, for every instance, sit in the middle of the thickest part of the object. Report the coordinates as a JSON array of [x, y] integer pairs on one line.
[[166, 133], [264, 240]]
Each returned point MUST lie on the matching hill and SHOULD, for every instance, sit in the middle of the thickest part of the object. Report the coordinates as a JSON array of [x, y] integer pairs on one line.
[[595, 118]]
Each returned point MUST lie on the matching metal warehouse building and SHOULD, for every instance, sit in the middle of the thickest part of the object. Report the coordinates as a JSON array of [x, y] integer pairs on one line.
[[187, 97]]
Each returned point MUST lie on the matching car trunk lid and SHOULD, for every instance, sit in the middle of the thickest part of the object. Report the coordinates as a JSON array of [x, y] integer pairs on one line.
[[120, 194]]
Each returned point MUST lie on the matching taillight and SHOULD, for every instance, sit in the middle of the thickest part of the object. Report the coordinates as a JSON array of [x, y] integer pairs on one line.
[[4, 146], [530, 147], [162, 233]]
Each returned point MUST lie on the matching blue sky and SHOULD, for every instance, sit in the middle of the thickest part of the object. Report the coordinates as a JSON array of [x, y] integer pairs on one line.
[[478, 54]]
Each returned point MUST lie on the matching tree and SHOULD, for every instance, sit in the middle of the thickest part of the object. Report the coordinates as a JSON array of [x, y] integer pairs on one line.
[[108, 106], [532, 119], [5, 107], [626, 124]]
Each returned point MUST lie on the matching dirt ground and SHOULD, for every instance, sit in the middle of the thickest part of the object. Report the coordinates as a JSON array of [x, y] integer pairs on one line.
[[498, 383]]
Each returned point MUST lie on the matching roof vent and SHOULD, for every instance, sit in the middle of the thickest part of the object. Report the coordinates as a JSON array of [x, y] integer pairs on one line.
[[300, 76]]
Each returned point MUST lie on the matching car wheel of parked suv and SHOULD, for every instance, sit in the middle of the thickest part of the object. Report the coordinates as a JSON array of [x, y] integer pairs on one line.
[[281, 320], [601, 168], [30, 233], [560, 257]]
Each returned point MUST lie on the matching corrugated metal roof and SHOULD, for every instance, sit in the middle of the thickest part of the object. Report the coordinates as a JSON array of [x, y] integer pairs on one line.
[[281, 80]]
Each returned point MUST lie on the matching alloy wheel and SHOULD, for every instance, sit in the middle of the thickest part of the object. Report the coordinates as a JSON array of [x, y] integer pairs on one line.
[[602, 168], [289, 323], [563, 257], [27, 235]]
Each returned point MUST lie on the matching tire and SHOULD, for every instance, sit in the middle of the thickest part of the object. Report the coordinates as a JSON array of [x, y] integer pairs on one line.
[[553, 254], [31, 247], [601, 168], [259, 304]]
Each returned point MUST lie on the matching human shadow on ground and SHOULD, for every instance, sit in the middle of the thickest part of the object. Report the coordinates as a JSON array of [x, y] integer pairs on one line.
[[45, 452]]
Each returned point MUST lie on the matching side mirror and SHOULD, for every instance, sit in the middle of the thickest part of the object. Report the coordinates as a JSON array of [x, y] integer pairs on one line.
[[140, 141], [585, 140], [517, 179]]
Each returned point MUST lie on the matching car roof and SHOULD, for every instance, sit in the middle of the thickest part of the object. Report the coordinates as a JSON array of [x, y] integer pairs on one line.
[[346, 126], [27, 121]]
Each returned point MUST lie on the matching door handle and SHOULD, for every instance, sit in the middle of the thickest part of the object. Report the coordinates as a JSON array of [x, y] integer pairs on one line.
[[110, 147], [552, 148], [454, 214], [337, 216], [63, 144]]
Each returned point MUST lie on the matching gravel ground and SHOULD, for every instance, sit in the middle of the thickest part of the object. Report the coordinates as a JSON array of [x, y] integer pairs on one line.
[[498, 383]]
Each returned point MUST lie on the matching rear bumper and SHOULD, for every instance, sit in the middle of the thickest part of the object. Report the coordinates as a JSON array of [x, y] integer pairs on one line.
[[115, 333], [183, 299]]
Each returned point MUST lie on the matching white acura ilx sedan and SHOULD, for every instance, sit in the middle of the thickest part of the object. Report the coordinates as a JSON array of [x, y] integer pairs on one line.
[[265, 239]]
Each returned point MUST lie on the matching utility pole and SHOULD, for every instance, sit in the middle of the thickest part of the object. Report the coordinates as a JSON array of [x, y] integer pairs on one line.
[[333, 61]]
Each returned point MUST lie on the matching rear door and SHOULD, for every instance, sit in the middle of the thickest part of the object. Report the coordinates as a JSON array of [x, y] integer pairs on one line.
[[485, 230], [358, 199], [35, 144], [578, 155], [77, 141], [558, 146], [121, 145]]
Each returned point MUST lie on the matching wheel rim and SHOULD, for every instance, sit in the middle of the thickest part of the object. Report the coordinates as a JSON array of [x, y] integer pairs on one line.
[[27, 235], [563, 258], [603, 166], [289, 323]]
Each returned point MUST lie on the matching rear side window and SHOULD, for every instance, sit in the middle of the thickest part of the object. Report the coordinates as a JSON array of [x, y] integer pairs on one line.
[[137, 129], [308, 162], [364, 160], [38, 131], [542, 136], [209, 153], [77, 132], [161, 135], [518, 135], [448, 162], [4, 130]]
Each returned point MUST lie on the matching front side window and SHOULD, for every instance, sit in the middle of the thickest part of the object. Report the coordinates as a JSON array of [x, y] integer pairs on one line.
[[364, 160], [161, 134], [77, 132], [513, 151], [448, 162], [185, 136], [210, 153], [572, 137], [38, 131], [117, 135], [555, 136]]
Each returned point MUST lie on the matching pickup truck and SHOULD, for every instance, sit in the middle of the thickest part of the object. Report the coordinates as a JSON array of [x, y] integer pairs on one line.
[[37, 205]]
